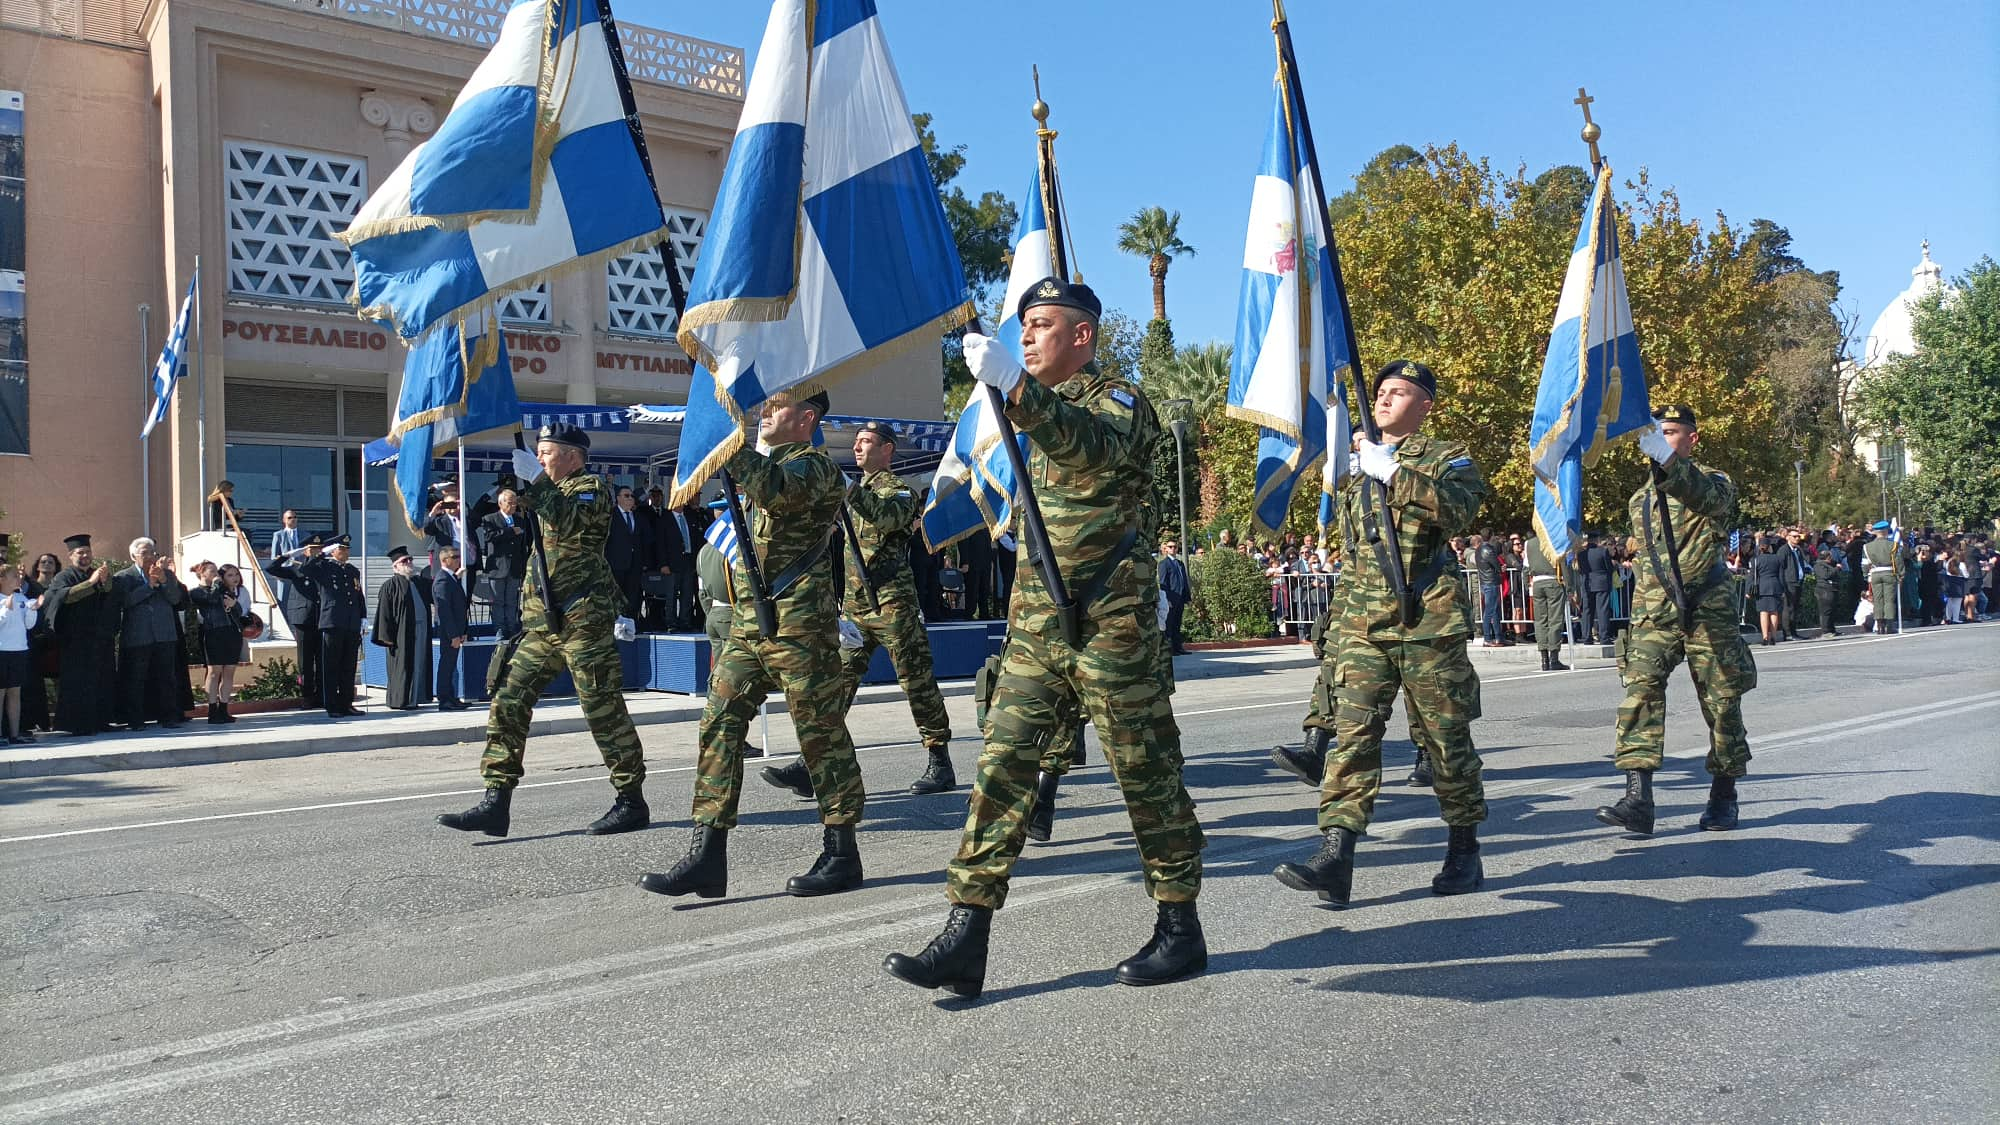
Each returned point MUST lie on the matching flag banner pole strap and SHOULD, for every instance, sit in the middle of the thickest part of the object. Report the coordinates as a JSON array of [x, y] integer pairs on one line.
[[860, 560], [551, 611], [760, 594], [1679, 587]]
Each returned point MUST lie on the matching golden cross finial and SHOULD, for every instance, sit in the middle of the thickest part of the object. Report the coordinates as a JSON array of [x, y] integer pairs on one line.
[[1590, 130], [1040, 109]]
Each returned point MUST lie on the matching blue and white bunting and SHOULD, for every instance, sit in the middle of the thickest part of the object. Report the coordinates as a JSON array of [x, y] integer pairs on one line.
[[1593, 388], [1292, 355], [534, 172], [172, 365], [441, 404], [799, 276], [721, 535]]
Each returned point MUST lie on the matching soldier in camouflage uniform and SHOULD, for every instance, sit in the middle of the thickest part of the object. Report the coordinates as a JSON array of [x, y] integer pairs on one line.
[[1545, 586], [1089, 462], [1434, 492], [1308, 761], [793, 494], [1700, 503], [883, 509], [573, 510]]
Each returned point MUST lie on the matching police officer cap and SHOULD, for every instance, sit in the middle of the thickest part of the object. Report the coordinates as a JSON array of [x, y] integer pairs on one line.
[[340, 541], [398, 553], [1056, 291], [77, 542], [315, 540], [718, 504], [880, 430], [564, 434], [1879, 525], [1411, 371], [1680, 413]]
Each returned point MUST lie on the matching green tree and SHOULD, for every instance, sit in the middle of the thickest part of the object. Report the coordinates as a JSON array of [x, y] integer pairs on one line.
[[1944, 401], [1198, 376], [983, 231], [1154, 235]]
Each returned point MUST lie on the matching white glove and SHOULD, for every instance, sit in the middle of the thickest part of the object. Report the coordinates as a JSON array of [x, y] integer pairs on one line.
[[623, 629], [850, 634], [992, 364], [1653, 443], [1378, 461], [526, 467]]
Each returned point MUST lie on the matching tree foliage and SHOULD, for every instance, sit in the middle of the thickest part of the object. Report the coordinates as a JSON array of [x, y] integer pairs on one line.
[[983, 231], [1153, 234], [1944, 401]]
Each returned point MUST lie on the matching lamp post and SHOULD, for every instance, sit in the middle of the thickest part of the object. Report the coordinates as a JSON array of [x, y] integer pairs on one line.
[[1799, 471], [1179, 426]]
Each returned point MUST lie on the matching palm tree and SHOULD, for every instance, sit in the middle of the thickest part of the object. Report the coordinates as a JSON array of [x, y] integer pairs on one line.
[[1198, 376], [1154, 235]]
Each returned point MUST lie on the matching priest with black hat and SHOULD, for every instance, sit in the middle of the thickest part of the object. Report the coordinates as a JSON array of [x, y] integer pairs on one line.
[[403, 626], [83, 617]]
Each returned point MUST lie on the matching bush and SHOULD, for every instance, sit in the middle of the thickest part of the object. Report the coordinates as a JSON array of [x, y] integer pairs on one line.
[[1232, 597], [278, 680]]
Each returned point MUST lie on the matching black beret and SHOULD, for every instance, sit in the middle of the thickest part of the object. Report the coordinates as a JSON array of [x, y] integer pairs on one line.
[[564, 434], [77, 542], [1412, 371], [1679, 412], [1056, 291], [880, 430], [818, 401]]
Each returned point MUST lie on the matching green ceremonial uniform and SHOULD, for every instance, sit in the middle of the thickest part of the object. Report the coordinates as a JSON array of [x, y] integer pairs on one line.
[[1700, 502], [793, 493], [1885, 580], [883, 508], [1091, 464], [575, 518], [1546, 587], [1435, 494]]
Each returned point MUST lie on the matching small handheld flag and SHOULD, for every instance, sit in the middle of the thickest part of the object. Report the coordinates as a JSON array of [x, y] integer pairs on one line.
[[721, 535]]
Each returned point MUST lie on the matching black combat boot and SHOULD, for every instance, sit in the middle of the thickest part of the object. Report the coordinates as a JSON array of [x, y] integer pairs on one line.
[[938, 776], [1042, 820], [1076, 748], [488, 816], [1330, 871], [1555, 663], [793, 776], [1545, 660], [837, 869], [628, 814], [1462, 873], [1176, 951], [703, 871], [222, 712], [1720, 815], [1634, 811], [215, 714], [1420, 774], [955, 960], [1308, 762]]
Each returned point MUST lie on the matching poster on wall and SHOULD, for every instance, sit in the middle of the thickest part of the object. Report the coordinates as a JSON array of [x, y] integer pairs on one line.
[[13, 279]]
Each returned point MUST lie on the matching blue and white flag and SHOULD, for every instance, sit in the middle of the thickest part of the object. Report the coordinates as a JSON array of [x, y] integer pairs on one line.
[[1034, 258], [535, 171], [1293, 346], [454, 387], [1593, 387], [827, 241], [172, 366], [721, 535]]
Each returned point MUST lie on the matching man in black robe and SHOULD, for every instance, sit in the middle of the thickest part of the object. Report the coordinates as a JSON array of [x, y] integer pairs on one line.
[[403, 626], [83, 617]]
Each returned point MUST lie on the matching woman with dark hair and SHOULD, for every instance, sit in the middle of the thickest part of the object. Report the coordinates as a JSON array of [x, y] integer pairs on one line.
[[36, 713], [222, 606], [1767, 585], [221, 501]]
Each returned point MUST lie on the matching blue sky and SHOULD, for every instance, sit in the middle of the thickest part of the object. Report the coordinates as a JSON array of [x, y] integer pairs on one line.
[[1861, 127]]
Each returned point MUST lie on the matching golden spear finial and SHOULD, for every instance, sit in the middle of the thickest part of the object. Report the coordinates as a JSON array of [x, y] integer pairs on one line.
[[1040, 109]]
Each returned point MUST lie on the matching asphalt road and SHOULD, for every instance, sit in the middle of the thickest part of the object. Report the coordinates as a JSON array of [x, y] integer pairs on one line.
[[294, 940]]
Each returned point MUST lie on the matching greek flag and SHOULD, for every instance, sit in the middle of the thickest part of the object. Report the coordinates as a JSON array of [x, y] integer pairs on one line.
[[539, 168], [1593, 385], [1293, 343], [721, 535], [827, 241], [172, 366], [1034, 259], [457, 383]]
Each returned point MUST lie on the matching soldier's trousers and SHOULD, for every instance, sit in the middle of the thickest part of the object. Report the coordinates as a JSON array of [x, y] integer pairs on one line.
[[901, 630], [1549, 598], [1888, 607], [1323, 709], [807, 670], [1722, 669], [1115, 679], [1069, 718], [592, 658], [1443, 693]]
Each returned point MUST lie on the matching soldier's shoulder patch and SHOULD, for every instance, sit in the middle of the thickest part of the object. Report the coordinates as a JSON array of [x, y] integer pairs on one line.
[[586, 497], [1123, 397], [904, 492], [1458, 463]]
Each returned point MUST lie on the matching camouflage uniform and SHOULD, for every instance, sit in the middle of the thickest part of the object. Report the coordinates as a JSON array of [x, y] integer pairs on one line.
[[575, 519], [1435, 494], [793, 494], [1090, 462], [1700, 502], [1320, 715], [1885, 581], [884, 508]]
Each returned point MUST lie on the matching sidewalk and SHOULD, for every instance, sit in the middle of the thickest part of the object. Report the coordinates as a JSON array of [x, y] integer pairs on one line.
[[286, 734]]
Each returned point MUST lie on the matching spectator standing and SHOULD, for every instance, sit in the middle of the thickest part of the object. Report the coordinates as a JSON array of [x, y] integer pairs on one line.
[[975, 560], [1768, 569], [1490, 564], [149, 597], [17, 617], [1829, 579], [453, 608], [1175, 588], [1797, 566], [82, 609], [285, 541], [35, 711], [628, 548], [221, 507], [504, 545], [221, 607], [403, 626], [1600, 573], [679, 544]]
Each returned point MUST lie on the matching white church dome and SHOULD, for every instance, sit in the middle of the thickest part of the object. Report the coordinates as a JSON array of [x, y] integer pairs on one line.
[[1891, 334]]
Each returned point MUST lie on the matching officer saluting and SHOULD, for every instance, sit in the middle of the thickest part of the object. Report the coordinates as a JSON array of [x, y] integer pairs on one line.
[[1700, 502], [1884, 560], [1434, 492], [574, 516], [1090, 460]]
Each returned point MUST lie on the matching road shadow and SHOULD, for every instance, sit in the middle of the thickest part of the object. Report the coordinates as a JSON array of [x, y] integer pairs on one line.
[[74, 787]]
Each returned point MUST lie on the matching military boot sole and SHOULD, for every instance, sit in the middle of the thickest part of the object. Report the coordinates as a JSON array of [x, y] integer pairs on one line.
[[1616, 819], [451, 821], [909, 970], [1300, 878], [773, 775], [1194, 968], [664, 885], [925, 786], [815, 886], [1281, 757], [1438, 887]]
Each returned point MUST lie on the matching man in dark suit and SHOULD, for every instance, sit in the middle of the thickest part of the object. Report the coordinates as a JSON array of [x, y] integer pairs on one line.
[[1174, 584], [302, 614], [1797, 565], [975, 559], [628, 549], [504, 544], [449, 599], [1599, 573], [675, 543]]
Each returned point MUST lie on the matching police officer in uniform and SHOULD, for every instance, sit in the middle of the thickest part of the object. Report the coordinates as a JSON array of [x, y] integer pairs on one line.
[[793, 494], [336, 589], [1883, 561], [1091, 438], [882, 508], [1434, 492], [1700, 503], [572, 510]]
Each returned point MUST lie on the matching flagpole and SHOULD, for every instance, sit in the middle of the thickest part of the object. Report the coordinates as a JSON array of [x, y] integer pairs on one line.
[[145, 411], [1389, 551], [200, 393]]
